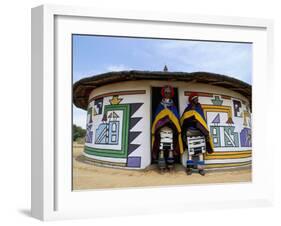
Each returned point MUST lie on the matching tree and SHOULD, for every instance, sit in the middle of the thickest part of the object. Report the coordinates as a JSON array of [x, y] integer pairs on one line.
[[78, 132]]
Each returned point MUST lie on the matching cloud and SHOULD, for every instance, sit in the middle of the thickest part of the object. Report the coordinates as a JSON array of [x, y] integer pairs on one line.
[[232, 59], [119, 67], [77, 75], [79, 117]]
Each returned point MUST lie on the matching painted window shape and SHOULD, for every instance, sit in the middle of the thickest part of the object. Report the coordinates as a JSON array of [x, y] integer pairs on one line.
[[113, 127], [113, 132], [113, 138], [215, 132]]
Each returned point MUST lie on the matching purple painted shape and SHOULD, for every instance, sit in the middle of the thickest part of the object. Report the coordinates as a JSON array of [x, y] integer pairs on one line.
[[89, 137], [217, 119], [89, 134], [134, 162], [246, 137]]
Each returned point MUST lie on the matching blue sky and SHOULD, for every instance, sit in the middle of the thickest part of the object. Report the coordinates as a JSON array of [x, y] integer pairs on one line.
[[98, 54]]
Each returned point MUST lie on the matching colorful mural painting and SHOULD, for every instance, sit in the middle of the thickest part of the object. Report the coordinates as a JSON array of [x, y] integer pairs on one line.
[[111, 133], [119, 122], [229, 122], [108, 132], [104, 134]]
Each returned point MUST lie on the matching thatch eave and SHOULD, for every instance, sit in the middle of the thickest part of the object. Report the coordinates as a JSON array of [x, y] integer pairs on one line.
[[83, 87]]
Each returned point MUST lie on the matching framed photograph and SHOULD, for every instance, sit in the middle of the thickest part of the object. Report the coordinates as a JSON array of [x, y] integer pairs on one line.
[[135, 111]]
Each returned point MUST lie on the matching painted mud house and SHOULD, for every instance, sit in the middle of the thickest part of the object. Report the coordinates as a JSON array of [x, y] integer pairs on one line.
[[120, 108]]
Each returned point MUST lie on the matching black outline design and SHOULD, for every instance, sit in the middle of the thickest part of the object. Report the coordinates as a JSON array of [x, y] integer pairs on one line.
[[133, 121]]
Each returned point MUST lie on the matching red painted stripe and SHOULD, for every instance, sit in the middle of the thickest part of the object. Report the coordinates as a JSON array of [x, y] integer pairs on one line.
[[129, 92]]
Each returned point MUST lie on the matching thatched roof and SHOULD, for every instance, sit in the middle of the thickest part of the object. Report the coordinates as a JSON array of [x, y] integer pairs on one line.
[[83, 87]]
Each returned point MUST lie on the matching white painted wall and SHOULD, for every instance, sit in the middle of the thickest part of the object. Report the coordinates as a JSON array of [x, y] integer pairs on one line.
[[143, 125], [144, 150]]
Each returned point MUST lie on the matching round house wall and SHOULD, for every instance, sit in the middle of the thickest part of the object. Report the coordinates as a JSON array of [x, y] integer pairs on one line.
[[118, 126], [119, 123]]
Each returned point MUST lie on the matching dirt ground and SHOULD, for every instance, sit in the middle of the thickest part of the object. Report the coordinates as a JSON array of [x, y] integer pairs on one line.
[[89, 176]]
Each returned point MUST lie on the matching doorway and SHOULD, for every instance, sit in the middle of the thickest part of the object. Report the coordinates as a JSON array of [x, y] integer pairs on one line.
[[156, 98]]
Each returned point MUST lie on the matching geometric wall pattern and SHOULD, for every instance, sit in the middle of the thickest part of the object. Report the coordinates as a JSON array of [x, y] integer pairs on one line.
[[231, 138], [120, 129], [115, 124], [133, 161], [224, 136], [245, 137]]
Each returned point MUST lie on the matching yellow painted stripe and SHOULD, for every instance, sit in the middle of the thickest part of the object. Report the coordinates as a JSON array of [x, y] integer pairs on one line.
[[226, 165], [227, 156], [231, 152]]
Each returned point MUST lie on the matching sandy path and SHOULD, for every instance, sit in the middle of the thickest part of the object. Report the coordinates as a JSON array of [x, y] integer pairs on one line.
[[88, 176]]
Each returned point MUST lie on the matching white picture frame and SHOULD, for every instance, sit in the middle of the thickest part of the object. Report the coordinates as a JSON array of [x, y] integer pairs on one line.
[[52, 197]]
